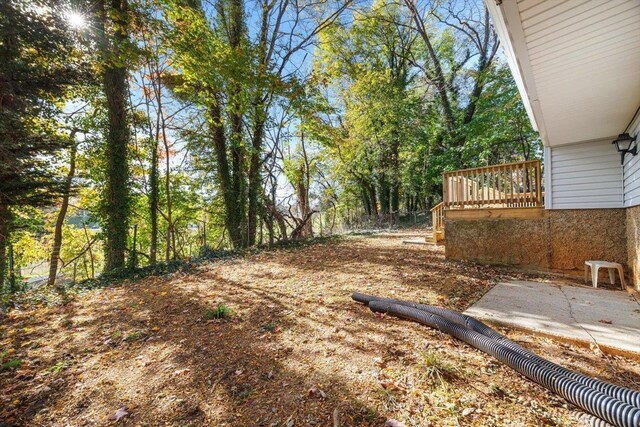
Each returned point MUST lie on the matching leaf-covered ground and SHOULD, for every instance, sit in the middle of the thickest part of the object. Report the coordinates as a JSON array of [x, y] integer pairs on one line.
[[295, 351]]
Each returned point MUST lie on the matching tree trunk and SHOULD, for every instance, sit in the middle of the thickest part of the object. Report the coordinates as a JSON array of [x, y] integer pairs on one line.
[[305, 210], [167, 188], [57, 233], [153, 204], [114, 77], [238, 178], [224, 174], [12, 271], [255, 183], [5, 217], [279, 218], [383, 194], [260, 114], [303, 192], [365, 200], [89, 244], [394, 189], [373, 198]]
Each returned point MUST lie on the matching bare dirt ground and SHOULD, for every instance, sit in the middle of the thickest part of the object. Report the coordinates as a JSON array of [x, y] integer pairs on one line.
[[296, 351]]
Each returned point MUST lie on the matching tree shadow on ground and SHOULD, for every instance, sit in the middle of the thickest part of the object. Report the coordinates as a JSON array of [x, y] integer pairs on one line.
[[296, 348], [159, 358]]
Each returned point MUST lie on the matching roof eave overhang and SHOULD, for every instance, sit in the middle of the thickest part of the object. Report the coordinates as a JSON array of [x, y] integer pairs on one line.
[[506, 21]]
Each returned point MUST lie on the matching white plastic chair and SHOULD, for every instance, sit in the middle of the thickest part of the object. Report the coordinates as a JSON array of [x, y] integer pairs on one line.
[[610, 266]]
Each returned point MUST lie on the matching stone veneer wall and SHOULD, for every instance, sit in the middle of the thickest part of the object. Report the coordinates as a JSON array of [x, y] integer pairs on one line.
[[559, 241], [633, 243]]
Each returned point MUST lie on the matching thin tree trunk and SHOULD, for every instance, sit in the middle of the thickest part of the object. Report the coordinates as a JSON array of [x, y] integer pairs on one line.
[[62, 213], [153, 204], [86, 236], [12, 271], [371, 189], [303, 192], [255, 184], [167, 189], [154, 138], [4, 239]]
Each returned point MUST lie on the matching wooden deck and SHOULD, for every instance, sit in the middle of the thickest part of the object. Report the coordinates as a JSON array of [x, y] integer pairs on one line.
[[496, 213], [510, 185], [510, 190]]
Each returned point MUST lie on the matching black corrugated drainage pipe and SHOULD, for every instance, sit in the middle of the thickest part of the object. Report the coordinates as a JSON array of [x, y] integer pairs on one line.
[[595, 402], [623, 394], [589, 420]]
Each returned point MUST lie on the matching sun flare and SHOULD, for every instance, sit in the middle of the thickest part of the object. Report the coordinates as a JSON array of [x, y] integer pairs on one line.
[[76, 20]]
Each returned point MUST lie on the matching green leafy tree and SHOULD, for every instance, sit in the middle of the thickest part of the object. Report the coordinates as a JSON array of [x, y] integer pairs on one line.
[[369, 65], [38, 69]]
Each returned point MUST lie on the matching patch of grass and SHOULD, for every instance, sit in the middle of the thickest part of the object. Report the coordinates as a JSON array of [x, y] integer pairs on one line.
[[301, 243], [11, 364], [134, 336], [368, 414], [437, 370], [244, 394], [61, 365], [125, 273], [498, 391], [269, 327], [453, 409], [389, 400], [222, 311]]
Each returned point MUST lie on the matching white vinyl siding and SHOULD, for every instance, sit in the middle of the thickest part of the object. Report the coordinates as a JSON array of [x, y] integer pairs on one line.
[[632, 172], [584, 176], [579, 60]]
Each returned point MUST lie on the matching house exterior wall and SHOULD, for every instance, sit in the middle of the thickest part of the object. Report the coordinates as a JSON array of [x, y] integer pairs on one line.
[[631, 174], [631, 187], [586, 175], [633, 244], [560, 240], [632, 181]]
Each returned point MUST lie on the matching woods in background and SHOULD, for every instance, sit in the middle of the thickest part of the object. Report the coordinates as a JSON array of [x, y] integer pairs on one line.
[[140, 131]]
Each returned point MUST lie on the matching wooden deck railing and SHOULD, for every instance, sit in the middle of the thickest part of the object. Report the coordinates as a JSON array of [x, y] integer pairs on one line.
[[508, 185], [437, 216]]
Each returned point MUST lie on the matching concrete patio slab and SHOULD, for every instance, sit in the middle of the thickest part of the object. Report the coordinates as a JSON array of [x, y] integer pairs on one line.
[[611, 319]]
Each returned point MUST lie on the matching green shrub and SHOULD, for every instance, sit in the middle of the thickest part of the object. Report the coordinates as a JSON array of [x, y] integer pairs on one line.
[[222, 311], [63, 364], [135, 336], [269, 327], [437, 370], [11, 364]]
